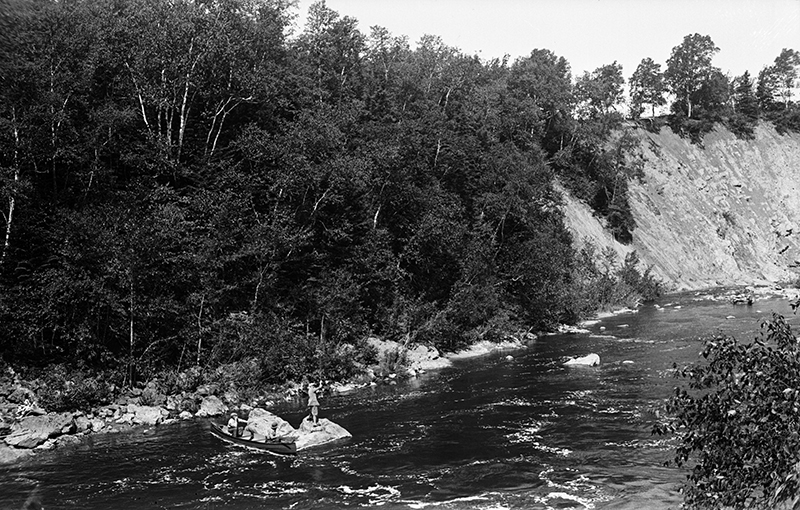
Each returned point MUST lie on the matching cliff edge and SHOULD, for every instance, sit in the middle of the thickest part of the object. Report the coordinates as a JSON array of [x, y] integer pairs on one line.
[[726, 213]]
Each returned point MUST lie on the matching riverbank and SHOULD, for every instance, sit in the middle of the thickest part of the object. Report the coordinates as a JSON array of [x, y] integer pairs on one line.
[[26, 428]]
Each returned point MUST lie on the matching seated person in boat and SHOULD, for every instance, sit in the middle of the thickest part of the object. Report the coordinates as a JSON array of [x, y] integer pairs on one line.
[[273, 433]]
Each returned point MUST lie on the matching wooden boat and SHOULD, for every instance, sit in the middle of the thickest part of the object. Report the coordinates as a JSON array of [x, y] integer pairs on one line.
[[278, 446]]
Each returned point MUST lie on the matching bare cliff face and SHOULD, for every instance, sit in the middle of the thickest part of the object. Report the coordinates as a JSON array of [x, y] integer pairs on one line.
[[723, 214]]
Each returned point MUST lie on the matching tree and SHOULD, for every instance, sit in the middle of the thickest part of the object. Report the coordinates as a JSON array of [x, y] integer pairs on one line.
[[743, 96], [775, 82], [246, 65], [688, 69], [545, 79], [385, 56], [711, 101], [785, 68], [737, 421], [744, 106], [647, 87], [330, 50], [601, 91]]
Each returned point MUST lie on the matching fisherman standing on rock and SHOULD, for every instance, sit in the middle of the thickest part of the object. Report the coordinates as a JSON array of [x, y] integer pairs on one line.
[[313, 403]]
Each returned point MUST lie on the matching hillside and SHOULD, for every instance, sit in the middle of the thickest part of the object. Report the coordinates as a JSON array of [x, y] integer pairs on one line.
[[722, 214]]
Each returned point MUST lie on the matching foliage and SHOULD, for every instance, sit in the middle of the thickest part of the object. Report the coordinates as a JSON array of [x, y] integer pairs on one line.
[[775, 82], [688, 70], [64, 389], [605, 283], [185, 187], [392, 361], [744, 114], [600, 91], [737, 421], [647, 87]]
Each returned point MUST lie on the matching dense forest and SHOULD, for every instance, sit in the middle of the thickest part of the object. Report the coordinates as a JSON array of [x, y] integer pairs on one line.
[[199, 183]]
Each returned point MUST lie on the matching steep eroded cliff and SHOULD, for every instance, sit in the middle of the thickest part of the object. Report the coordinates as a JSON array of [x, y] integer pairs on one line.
[[722, 214]]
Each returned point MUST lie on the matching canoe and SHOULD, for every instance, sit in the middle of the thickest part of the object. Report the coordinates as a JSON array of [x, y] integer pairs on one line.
[[279, 446]]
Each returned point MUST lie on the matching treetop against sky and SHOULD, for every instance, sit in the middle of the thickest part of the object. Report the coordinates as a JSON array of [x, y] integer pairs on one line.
[[589, 33]]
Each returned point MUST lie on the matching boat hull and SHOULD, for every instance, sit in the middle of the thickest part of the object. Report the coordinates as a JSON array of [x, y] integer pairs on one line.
[[275, 447]]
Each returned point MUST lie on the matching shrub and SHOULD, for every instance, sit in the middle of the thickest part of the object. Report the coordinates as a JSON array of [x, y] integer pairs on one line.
[[737, 421], [602, 283], [441, 332], [291, 355], [393, 361], [643, 284], [63, 390]]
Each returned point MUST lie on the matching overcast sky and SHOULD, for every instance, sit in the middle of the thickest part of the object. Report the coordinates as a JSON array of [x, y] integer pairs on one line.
[[589, 33]]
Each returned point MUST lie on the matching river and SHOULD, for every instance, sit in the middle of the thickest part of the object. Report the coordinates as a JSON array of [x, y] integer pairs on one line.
[[512, 429]]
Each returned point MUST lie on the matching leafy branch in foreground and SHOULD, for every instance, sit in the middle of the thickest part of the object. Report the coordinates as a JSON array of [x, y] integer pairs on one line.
[[737, 423]]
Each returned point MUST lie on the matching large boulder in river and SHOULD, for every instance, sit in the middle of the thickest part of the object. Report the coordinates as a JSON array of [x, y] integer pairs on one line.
[[32, 431], [10, 455], [323, 432], [590, 360], [260, 420], [211, 406]]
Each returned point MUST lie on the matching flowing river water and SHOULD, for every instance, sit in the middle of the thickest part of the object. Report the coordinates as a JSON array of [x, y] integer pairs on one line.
[[513, 429]]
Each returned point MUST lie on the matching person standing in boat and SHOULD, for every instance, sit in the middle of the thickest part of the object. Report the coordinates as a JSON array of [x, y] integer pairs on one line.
[[233, 424], [313, 403]]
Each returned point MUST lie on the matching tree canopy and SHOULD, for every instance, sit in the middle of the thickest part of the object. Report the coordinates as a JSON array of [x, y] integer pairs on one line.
[[192, 183], [688, 70]]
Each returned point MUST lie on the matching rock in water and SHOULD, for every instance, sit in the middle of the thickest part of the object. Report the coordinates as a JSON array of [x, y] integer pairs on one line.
[[307, 435], [323, 432], [590, 360], [261, 420], [10, 455], [35, 430]]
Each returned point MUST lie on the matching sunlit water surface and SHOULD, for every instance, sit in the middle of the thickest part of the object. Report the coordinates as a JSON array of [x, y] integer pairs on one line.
[[489, 433]]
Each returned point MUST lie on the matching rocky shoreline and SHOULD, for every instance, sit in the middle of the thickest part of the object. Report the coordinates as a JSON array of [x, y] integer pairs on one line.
[[26, 428]]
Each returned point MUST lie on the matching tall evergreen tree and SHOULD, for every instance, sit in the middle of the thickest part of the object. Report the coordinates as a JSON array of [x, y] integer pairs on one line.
[[744, 97]]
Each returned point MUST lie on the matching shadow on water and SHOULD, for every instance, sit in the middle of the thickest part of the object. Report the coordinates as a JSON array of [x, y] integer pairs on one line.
[[508, 430]]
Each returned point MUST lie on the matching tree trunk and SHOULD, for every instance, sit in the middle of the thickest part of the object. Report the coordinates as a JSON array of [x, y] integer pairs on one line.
[[12, 198], [185, 102], [139, 96], [375, 218], [200, 330], [132, 338], [254, 303]]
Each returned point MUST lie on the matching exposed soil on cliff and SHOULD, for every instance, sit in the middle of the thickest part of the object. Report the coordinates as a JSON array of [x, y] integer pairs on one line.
[[724, 213]]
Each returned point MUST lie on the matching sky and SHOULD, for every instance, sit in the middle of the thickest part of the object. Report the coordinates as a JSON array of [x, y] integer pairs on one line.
[[589, 33]]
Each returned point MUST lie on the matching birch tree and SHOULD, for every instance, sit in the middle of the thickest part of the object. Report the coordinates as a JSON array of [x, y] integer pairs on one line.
[[688, 69]]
